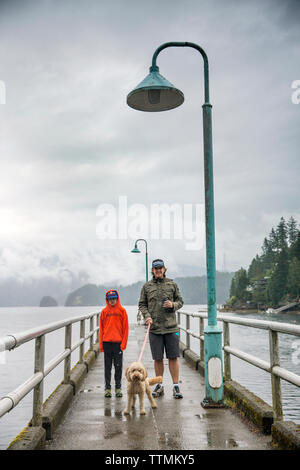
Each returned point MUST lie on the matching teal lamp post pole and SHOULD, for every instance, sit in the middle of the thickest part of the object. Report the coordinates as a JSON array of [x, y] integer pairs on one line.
[[155, 93], [136, 250]]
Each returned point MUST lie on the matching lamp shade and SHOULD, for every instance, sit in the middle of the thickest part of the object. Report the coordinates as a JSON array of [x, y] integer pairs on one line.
[[155, 93], [135, 250]]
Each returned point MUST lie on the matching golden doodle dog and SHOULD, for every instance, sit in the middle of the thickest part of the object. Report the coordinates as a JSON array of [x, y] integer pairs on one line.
[[137, 384]]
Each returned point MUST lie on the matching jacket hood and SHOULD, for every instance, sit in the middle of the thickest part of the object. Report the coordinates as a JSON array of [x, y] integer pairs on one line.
[[117, 305]]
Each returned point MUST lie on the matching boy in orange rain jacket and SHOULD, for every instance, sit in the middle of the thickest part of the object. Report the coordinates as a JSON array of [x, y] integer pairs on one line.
[[113, 336]]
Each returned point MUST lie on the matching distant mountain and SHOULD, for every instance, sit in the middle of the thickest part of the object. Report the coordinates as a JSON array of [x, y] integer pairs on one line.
[[16, 293], [193, 290], [91, 294], [77, 291], [48, 301]]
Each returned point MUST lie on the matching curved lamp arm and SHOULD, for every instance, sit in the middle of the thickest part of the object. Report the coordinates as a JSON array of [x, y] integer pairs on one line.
[[186, 44], [142, 239]]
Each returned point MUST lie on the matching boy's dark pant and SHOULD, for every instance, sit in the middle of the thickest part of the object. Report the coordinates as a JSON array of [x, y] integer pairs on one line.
[[112, 354]]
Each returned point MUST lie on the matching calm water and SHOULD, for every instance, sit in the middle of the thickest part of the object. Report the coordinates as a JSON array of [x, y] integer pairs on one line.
[[18, 364]]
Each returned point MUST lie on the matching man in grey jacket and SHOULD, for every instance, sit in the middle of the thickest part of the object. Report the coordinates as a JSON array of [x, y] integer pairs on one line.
[[159, 300]]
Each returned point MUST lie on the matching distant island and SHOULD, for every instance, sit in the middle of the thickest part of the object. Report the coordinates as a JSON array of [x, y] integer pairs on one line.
[[193, 290], [48, 301]]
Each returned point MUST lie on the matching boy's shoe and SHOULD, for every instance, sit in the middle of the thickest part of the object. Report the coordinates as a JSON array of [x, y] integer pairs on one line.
[[119, 393], [107, 393], [176, 392], [158, 391]]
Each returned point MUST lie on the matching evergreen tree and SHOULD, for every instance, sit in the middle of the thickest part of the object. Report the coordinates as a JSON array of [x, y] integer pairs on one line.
[[279, 264], [293, 282], [232, 292], [259, 295], [281, 232], [277, 284], [256, 269], [273, 240], [267, 255], [292, 231], [239, 284], [295, 248]]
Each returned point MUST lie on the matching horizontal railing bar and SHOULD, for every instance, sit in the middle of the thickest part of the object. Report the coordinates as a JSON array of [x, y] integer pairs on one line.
[[7, 342], [55, 361], [13, 398], [61, 356], [261, 324], [287, 375], [19, 393], [10, 342], [201, 337], [255, 361], [76, 345], [194, 335], [82, 340], [90, 333], [6, 404], [13, 341]]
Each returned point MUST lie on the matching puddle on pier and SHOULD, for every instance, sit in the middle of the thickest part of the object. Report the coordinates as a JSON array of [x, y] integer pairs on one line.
[[170, 440], [216, 440]]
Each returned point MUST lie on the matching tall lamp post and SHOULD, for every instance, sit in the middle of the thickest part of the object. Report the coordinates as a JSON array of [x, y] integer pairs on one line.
[[155, 93], [136, 250]]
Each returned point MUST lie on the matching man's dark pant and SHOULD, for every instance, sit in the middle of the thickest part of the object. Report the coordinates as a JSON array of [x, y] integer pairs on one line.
[[112, 354]]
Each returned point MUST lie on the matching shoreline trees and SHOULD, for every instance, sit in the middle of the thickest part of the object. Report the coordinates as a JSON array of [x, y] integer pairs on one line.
[[273, 277]]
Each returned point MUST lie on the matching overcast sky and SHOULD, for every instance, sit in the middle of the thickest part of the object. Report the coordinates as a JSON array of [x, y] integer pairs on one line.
[[69, 142]]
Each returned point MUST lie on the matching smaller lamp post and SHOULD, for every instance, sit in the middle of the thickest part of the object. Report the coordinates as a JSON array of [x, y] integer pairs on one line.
[[136, 250]]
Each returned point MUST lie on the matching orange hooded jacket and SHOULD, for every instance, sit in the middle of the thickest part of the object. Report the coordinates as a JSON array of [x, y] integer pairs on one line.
[[113, 324]]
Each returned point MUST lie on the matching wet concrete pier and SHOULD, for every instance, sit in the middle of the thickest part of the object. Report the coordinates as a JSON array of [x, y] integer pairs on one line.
[[96, 422]]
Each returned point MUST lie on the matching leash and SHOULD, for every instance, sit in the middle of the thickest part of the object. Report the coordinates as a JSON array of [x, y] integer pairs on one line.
[[144, 344]]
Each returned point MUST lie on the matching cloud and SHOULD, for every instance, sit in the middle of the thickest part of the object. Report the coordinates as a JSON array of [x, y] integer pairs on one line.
[[68, 141]]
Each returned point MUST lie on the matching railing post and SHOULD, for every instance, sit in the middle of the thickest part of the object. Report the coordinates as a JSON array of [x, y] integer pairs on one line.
[[39, 358], [67, 362], [91, 329], [227, 358], [98, 326], [276, 381], [82, 335], [187, 325], [201, 329], [178, 322]]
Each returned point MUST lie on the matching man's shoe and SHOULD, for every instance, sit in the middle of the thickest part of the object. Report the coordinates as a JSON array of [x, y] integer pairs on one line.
[[119, 393], [107, 393], [176, 392], [158, 391]]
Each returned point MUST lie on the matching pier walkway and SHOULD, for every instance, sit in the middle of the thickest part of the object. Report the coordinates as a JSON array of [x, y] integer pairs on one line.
[[96, 422]]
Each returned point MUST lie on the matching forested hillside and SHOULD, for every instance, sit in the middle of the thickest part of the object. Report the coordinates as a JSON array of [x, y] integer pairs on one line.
[[273, 276]]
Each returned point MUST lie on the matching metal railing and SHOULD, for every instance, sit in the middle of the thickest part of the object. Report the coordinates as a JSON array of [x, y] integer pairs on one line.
[[41, 370], [273, 367]]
